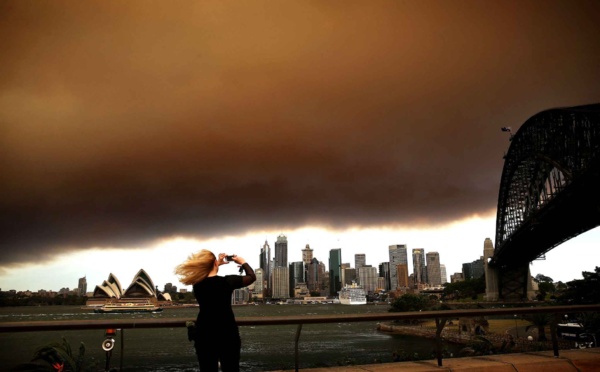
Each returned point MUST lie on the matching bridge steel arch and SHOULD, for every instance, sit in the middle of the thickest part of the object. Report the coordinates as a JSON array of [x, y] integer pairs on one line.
[[550, 185]]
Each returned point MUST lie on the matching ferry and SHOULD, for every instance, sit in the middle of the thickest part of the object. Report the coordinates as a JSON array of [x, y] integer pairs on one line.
[[353, 294], [128, 307]]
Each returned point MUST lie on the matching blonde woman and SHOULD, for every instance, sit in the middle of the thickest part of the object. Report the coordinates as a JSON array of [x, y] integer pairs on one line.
[[217, 335]]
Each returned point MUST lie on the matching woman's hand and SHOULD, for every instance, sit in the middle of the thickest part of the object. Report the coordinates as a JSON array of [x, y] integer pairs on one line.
[[221, 260], [238, 260]]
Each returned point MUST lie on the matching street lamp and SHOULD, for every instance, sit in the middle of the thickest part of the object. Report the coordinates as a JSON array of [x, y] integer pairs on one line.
[[516, 327]]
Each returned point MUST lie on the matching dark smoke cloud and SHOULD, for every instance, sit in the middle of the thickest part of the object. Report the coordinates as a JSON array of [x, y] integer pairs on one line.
[[121, 123]]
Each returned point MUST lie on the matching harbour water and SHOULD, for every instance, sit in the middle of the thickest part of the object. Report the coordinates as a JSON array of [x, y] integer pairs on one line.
[[264, 348]]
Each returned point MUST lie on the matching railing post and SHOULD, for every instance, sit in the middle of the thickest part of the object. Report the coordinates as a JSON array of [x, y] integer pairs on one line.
[[296, 356], [122, 350], [439, 327], [553, 326]]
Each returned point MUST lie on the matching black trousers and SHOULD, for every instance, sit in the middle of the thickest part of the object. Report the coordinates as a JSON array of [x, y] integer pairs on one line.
[[222, 348]]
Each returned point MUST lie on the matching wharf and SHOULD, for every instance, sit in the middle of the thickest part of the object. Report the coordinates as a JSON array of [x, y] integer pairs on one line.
[[585, 360]]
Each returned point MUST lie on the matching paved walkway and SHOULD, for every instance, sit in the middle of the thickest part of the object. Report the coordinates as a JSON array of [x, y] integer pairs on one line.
[[544, 361]]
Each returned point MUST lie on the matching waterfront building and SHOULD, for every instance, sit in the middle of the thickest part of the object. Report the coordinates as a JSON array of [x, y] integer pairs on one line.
[[260, 284], [240, 296], [418, 255], [313, 277], [384, 272], [281, 282], [82, 286], [265, 265], [349, 276], [402, 270], [456, 277], [335, 275], [360, 260], [296, 275], [307, 256], [368, 278], [398, 255], [443, 274], [433, 269], [343, 268], [473, 270], [141, 289], [281, 251]]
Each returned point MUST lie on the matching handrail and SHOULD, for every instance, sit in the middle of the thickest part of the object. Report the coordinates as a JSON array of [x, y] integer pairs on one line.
[[440, 315], [56, 325]]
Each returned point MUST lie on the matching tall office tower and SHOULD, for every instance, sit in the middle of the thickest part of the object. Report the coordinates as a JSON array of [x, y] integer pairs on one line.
[[82, 286], [259, 284], [368, 278], [335, 271], [349, 275], [281, 282], [473, 270], [265, 264], [360, 260], [398, 255], [433, 269], [323, 279], [307, 256], [343, 268], [281, 251], [443, 274], [402, 270], [313, 278], [384, 272], [296, 275], [418, 255]]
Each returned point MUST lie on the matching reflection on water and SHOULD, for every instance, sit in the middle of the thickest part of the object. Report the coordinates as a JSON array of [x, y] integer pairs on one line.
[[263, 347]]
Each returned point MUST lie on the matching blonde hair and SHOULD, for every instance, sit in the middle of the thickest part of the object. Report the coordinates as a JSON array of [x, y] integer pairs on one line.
[[196, 268]]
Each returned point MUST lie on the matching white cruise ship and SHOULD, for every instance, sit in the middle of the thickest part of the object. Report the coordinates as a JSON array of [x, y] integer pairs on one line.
[[353, 295]]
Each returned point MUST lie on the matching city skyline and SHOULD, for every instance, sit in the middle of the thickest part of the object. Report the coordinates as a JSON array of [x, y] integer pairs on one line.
[[158, 268]]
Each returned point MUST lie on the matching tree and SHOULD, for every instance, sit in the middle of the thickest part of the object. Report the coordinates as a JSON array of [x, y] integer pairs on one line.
[[410, 302], [541, 278], [583, 291]]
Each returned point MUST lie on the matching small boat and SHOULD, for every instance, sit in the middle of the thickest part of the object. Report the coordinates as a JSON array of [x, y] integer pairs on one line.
[[128, 307]]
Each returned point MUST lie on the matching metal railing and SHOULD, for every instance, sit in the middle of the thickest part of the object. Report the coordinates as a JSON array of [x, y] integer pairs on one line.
[[440, 316]]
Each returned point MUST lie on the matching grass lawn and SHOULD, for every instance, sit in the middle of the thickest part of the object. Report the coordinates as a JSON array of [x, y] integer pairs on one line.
[[498, 326]]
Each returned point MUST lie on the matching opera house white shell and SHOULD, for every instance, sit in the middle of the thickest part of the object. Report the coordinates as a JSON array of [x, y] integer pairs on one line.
[[141, 287]]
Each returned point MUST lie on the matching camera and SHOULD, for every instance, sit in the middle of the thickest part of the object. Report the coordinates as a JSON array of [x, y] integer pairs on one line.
[[229, 258]]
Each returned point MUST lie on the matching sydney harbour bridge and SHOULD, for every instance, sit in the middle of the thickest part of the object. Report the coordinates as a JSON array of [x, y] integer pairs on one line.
[[549, 193]]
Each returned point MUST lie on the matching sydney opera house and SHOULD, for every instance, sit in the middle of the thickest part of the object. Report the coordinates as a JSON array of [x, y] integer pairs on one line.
[[141, 289]]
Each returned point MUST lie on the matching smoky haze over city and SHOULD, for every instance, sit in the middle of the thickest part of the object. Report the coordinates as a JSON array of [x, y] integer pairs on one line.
[[122, 124]]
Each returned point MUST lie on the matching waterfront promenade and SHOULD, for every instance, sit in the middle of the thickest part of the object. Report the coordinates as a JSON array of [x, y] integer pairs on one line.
[[586, 360]]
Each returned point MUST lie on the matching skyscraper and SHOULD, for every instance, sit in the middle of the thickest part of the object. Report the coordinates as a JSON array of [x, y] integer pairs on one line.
[[313, 277], [281, 251], [259, 285], [443, 274], [384, 272], [433, 269], [360, 260], [307, 255], [281, 282], [82, 286], [335, 268], [265, 265], [402, 270], [368, 278], [296, 275], [418, 255], [398, 255]]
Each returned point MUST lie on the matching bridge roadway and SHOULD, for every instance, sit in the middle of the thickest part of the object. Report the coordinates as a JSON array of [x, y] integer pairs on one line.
[[569, 360]]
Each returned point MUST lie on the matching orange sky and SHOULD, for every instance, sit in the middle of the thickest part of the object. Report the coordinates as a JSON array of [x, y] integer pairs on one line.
[[126, 122]]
